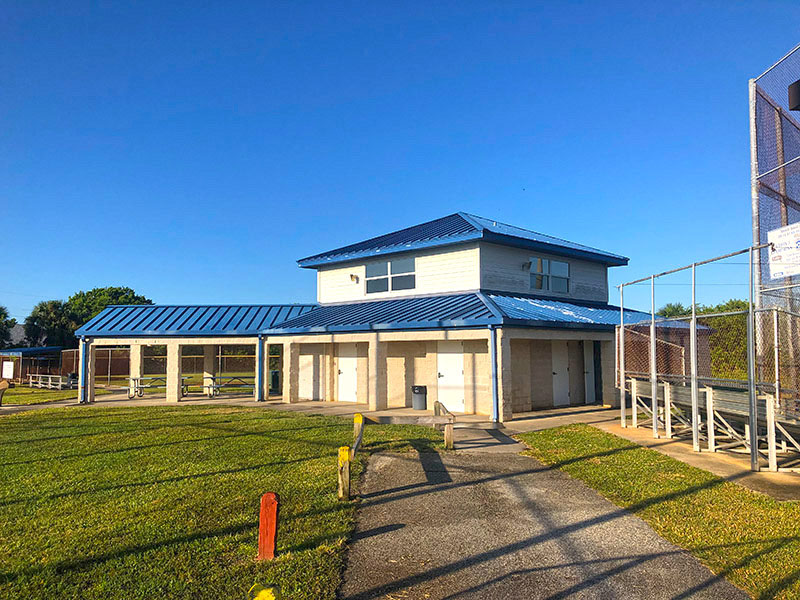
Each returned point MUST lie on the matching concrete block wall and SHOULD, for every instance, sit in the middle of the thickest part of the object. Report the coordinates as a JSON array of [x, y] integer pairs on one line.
[[610, 393], [477, 377], [542, 371]]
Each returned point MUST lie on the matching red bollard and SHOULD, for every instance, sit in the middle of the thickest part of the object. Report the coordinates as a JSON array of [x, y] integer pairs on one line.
[[267, 526]]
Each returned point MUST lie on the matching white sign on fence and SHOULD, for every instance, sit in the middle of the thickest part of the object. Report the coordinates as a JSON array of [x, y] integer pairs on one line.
[[8, 370], [784, 255]]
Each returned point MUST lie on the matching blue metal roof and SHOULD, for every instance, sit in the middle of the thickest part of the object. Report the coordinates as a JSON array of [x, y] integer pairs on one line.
[[35, 351], [425, 312], [161, 320], [474, 309], [454, 229], [525, 310]]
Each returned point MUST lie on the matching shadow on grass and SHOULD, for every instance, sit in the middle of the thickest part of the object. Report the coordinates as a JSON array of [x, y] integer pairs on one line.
[[136, 484], [92, 561], [761, 547], [238, 434]]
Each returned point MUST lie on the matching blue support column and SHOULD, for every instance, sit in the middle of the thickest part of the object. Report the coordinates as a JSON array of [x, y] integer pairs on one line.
[[83, 350], [260, 370], [493, 354]]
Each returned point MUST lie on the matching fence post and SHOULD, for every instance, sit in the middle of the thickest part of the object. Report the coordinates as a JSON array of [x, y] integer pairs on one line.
[[693, 370], [751, 373], [710, 420], [344, 473], [668, 409], [448, 436], [623, 419], [634, 402], [653, 364], [772, 404], [268, 526]]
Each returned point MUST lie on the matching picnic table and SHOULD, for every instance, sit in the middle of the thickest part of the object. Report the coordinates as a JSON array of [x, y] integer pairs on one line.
[[229, 382], [139, 384]]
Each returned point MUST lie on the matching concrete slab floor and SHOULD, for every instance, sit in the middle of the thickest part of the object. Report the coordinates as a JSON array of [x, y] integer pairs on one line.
[[501, 525]]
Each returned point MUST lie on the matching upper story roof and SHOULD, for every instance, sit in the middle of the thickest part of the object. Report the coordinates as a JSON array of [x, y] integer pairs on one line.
[[172, 320], [454, 229]]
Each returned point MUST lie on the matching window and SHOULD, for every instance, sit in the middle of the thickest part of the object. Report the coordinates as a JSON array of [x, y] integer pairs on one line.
[[397, 273], [549, 275]]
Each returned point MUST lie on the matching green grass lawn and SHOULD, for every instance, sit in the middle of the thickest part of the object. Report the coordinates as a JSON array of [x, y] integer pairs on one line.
[[24, 395], [749, 538], [162, 502]]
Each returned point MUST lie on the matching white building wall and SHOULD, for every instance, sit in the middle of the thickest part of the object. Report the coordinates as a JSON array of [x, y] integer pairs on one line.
[[502, 270], [450, 269]]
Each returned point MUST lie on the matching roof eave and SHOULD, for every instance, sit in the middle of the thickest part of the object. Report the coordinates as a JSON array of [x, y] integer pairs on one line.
[[401, 326], [312, 262], [599, 256]]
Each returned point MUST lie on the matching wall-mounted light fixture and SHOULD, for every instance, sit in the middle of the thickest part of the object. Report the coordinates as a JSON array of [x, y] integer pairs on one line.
[[526, 266], [354, 277]]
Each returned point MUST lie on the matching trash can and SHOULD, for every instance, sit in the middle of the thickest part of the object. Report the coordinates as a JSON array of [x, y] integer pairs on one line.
[[419, 397]]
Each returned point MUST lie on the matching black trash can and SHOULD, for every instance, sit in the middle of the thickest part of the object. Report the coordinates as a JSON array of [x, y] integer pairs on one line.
[[419, 397]]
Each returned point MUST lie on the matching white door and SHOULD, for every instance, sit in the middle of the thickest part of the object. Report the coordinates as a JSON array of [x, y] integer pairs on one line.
[[450, 366], [348, 373], [560, 373], [588, 371]]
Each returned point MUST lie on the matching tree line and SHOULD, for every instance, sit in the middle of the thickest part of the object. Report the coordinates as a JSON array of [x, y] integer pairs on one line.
[[53, 322], [727, 335]]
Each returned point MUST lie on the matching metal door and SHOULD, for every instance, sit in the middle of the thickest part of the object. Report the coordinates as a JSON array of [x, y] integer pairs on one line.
[[347, 387], [560, 373], [588, 371], [450, 366]]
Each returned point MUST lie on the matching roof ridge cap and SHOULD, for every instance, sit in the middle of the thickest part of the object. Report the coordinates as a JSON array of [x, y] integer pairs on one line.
[[469, 218]]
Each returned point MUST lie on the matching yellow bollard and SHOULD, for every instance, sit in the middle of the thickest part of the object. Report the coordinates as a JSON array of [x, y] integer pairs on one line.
[[358, 434], [344, 473], [358, 425], [259, 592]]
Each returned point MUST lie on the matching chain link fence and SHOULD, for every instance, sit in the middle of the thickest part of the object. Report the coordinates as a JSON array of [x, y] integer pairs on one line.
[[719, 371], [775, 173]]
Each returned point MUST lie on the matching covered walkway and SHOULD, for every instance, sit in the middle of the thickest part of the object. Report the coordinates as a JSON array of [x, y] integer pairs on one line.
[[177, 327]]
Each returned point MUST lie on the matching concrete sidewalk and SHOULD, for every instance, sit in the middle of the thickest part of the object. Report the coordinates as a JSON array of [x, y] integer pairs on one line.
[[498, 525]]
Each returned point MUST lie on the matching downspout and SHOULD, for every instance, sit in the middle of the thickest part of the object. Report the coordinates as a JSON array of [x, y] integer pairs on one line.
[[493, 350]]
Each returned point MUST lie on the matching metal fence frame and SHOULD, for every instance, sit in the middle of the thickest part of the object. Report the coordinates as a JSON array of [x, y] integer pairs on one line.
[[661, 420]]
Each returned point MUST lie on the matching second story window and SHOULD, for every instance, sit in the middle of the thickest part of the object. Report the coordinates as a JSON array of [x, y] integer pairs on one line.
[[549, 275], [397, 274]]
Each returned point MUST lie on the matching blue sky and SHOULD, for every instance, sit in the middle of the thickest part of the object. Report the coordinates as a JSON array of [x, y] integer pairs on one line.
[[195, 151]]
